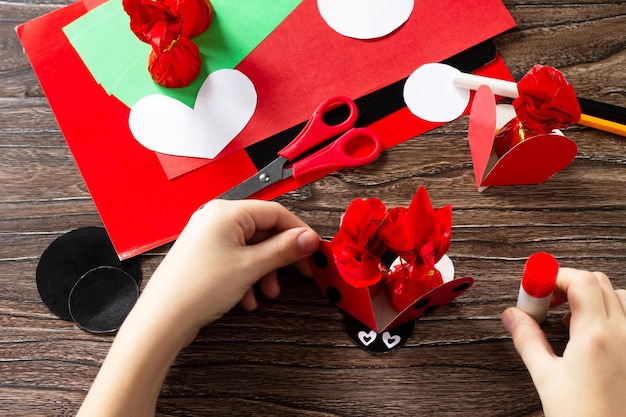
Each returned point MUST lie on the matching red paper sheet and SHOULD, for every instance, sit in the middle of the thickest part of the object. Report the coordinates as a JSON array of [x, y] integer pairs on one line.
[[304, 61], [139, 206]]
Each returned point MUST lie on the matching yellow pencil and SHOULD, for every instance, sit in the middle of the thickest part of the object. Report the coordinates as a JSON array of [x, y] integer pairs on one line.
[[602, 124]]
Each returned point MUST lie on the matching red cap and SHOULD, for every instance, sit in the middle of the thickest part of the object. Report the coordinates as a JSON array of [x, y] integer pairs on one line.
[[540, 271]]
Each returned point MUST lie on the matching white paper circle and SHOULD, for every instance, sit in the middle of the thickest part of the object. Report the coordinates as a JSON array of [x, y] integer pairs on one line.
[[504, 113], [431, 95], [365, 19]]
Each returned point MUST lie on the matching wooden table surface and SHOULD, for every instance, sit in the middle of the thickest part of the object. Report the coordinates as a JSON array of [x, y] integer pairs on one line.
[[291, 356]]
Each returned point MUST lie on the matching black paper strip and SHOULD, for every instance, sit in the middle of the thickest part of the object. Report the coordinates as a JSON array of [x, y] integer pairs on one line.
[[373, 106]]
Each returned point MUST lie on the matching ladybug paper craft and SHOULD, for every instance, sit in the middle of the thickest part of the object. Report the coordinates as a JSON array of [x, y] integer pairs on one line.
[[372, 323], [386, 267], [531, 161]]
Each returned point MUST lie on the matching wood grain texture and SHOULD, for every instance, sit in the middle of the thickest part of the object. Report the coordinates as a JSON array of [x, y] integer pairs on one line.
[[292, 357]]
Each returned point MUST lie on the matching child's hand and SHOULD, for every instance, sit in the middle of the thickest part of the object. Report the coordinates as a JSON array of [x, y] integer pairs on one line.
[[227, 247], [590, 379]]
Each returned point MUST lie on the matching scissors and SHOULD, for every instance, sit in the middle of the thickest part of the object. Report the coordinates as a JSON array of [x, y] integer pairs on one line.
[[355, 147]]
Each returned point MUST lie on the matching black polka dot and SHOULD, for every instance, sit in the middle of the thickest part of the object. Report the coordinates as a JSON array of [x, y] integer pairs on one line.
[[431, 309], [461, 287], [320, 259], [421, 303], [333, 295]]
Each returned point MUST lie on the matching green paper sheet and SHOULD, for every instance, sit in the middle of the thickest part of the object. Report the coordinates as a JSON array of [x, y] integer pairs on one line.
[[118, 60]]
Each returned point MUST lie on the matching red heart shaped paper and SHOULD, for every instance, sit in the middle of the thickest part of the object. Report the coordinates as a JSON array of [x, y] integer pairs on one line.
[[531, 161], [376, 313]]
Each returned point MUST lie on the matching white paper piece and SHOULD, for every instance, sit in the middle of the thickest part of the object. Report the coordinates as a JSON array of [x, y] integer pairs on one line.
[[224, 105], [504, 113], [445, 268], [431, 95], [365, 19]]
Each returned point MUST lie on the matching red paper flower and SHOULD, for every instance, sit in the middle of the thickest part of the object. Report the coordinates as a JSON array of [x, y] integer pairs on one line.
[[176, 65], [546, 102], [419, 236]]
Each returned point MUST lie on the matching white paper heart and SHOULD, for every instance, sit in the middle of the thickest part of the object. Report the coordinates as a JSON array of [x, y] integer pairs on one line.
[[224, 105], [365, 19], [367, 337], [389, 340]]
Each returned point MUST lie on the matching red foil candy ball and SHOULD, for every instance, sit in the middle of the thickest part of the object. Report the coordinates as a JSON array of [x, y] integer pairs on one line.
[[176, 66]]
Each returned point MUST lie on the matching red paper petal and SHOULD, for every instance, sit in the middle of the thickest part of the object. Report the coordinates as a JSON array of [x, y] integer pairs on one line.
[[430, 225], [397, 233]]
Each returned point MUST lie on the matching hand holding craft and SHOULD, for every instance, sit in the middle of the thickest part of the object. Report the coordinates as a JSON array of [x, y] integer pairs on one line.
[[590, 378], [223, 251]]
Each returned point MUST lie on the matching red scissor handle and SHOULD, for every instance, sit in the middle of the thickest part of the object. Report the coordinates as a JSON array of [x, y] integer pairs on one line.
[[317, 130], [358, 146]]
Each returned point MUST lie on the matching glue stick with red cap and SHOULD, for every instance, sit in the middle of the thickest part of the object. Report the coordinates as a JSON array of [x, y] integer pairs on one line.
[[538, 283]]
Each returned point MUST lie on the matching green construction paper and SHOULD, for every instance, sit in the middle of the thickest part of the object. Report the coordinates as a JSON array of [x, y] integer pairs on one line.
[[119, 61]]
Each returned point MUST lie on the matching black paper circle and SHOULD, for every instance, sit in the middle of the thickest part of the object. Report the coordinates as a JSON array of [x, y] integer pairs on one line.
[[71, 256], [102, 298], [372, 342]]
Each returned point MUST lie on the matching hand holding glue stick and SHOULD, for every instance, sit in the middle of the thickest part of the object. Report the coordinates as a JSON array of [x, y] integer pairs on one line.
[[589, 379], [537, 286]]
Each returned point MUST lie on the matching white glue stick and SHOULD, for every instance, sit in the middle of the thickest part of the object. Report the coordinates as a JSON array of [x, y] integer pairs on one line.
[[499, 87], [538, 283]]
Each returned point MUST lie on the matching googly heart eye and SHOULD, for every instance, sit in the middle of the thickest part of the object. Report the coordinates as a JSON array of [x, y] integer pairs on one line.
[[367, 338], [391, 341]]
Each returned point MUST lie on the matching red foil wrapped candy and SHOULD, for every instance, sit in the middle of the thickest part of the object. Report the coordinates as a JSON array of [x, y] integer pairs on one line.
[[167, 26], [148, 16], [546, 102], [177, 65], [196, 15]]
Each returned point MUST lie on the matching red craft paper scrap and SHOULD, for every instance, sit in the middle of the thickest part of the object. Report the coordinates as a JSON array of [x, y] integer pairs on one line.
[[304, 54]]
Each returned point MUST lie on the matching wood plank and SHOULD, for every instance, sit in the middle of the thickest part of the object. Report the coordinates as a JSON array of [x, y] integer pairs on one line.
[[292, 356]]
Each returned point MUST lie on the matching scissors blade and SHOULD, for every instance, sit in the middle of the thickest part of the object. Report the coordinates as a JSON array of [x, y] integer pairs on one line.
[[270, 174]]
